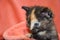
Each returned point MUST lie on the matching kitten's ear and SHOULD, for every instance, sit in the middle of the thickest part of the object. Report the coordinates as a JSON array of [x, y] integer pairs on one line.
[[26, 8]]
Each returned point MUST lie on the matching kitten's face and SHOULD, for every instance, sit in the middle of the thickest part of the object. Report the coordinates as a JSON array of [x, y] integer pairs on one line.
[[37, 16]]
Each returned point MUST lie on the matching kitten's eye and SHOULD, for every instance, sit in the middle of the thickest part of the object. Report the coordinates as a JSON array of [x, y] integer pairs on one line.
[[45, 14]]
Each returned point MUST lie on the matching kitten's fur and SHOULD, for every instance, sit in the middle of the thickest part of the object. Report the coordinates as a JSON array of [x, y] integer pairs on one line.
[[40, 21]]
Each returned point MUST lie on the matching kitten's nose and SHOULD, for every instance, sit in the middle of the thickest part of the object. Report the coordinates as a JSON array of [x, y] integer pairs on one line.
[[36, 24]]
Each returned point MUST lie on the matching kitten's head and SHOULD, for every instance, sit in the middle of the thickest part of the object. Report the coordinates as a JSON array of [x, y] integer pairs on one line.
[[37, 16]]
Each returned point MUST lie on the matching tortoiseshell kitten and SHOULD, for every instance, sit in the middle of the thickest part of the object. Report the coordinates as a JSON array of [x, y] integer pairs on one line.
[[40, 22]]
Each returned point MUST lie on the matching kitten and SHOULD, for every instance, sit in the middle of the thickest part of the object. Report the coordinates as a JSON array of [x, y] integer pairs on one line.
[[40, 22]]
